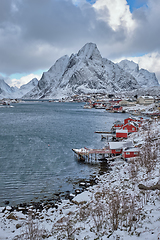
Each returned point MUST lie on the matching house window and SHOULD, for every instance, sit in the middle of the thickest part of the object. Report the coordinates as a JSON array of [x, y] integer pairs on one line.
[[118, 150], [133, 129], [127, 153], [135, 153], [125, 128]]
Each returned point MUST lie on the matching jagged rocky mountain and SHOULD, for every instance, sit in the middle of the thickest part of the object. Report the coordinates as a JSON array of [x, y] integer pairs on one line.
[[85, 72], [88, 72], [13, 92], [143, 77]]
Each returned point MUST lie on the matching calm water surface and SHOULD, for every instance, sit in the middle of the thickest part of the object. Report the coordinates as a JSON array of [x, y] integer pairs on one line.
[[36, 141]]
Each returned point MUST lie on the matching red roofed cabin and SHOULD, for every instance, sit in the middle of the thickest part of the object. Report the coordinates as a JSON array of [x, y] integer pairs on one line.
[[132, 119], [116, 108], [121, 133], [131, 152], [116, 148], [115, 101], [131, 127], [117, 124]]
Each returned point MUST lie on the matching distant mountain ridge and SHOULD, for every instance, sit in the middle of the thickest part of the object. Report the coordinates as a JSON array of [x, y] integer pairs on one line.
[[13, 92], [87, 72], [143, 77]]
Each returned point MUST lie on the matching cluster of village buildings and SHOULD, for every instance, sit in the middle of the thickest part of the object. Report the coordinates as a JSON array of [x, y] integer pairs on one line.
[[120, 105], [122, 130]]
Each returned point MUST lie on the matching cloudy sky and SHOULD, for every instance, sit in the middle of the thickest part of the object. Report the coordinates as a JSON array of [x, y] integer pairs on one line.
[[35, 33]]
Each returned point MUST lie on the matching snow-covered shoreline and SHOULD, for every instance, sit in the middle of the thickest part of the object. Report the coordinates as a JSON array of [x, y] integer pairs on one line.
[[117, 207]]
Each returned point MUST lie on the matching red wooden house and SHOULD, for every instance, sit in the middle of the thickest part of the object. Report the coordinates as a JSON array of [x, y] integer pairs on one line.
[[116, 147], [116, 108], [115, 101], [121, 133], [132, 119], [117, 124], [131, 152], [99, 104], [131, 127]]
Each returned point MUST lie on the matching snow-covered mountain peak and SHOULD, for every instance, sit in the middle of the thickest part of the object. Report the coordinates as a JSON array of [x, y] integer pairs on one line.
[[129, 65], [28, 86], [13, 92], [89, 51], [144, 77], [5, 88], [87, 72]]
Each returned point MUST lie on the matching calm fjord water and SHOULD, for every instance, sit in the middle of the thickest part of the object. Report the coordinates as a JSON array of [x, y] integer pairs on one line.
[[36, 141]]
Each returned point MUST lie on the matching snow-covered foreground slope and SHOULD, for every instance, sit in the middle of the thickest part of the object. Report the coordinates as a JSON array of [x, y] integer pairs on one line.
[[118, 207], [87, 72], [13, 92]]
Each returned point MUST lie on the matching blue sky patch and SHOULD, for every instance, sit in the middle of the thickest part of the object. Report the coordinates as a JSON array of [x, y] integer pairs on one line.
[[134, 4]]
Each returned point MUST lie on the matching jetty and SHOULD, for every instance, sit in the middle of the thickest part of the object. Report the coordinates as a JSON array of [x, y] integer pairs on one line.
[[107, 135], [104, 132], [89, 155]]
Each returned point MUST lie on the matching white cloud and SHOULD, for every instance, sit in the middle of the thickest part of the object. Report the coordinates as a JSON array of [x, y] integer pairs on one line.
[[23, 80], [29, 42], [116, 13]]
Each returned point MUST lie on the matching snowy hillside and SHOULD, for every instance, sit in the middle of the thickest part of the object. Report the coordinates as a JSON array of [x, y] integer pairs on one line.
[[13, 92], [88, 72]]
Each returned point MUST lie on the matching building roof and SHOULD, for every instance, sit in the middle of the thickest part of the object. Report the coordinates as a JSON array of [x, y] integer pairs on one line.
[[118, 122], [134, 124], [133, 149], [147, 97], [135, 118], [120, 145], [116, 106], [116, 145], [121, 131]]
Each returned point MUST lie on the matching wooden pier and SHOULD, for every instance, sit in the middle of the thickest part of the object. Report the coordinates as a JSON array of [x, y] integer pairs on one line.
[[103, 132], [89, 155]]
